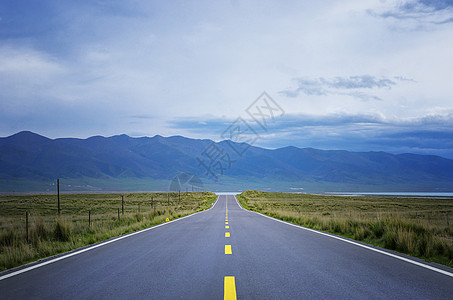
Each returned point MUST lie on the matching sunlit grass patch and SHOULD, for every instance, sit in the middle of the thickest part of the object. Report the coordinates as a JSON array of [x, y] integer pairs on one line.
[[416, 226], [85, 219]]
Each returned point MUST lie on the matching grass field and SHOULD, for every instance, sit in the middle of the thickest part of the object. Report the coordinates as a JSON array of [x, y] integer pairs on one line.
[[84, 219], [419, 227]]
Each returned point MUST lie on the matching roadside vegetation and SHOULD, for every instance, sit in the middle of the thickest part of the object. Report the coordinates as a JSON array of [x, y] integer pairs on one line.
[[84, 219], [420, 227]]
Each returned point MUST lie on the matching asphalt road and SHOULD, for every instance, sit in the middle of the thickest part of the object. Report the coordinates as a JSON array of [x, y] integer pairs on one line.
[[187, 259]]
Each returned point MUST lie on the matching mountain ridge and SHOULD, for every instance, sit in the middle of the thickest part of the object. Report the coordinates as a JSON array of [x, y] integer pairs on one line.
[[27, 155]]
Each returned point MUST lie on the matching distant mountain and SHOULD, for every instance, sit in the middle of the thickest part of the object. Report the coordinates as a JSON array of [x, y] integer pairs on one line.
[[29, 156]]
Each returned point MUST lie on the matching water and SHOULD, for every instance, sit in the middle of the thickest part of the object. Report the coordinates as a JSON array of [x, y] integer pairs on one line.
[[227, 193], [410, 194], [399, 194]]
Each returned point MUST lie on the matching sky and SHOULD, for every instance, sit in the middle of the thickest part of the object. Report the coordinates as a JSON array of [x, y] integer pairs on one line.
[[351, 74]]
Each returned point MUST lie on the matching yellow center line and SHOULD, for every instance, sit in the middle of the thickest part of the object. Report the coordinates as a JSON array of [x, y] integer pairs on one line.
[[229, 282], [229, 288], [226, 213], [226, 207]]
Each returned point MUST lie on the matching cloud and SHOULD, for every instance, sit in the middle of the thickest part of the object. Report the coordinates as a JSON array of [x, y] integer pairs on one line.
[[356, 82], [203, 127], [362, 96], [425, 11], [427, 5], [298, 120], [308, 87], [449, 20], [142, 117], [402, 78], [341, 86], [82, 68], [430, 134]]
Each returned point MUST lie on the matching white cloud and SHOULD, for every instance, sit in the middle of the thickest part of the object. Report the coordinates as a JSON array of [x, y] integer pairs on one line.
[[103, 63]]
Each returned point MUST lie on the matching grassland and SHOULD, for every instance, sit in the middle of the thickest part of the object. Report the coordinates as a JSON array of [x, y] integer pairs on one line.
[[84, 219], [419, 227]]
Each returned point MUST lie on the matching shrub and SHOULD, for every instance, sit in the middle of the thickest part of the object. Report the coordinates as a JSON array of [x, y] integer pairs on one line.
[[9, 237], [62, 230], [378, 228], [38, 231]]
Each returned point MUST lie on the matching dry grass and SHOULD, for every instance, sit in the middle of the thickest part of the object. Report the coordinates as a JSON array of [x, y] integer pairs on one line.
[[416, 226], [49, 234]]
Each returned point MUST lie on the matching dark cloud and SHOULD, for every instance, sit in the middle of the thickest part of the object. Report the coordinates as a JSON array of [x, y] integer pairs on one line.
[[353, 86], [301, 120], [437, 4], [417, 10], [426, 135]]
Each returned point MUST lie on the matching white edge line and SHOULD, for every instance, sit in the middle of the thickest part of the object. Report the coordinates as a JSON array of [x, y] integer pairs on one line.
[[355, 243], [98, 245]]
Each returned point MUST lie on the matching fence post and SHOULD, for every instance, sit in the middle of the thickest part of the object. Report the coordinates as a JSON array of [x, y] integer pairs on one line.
[[89, 218], [118, 213], [122, 204], [26, 223], [179, 195], [448, 222], [58, 195]]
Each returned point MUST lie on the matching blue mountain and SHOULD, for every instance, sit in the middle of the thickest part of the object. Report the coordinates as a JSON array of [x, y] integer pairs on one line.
[[30, 156]]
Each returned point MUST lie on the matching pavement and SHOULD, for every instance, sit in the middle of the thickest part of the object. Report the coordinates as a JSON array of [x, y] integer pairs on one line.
[[230, 253]]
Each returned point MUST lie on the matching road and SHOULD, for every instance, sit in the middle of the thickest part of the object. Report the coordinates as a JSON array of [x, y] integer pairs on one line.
[[187, 259]]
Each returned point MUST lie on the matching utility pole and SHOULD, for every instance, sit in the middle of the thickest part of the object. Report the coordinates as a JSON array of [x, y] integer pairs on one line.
[[26, 223]]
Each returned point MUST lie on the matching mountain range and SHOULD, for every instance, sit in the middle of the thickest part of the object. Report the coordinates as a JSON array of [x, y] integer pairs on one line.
[[28, 157]]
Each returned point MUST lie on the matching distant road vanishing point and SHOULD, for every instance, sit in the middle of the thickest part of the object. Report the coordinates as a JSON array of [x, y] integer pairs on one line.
[[231, 253]]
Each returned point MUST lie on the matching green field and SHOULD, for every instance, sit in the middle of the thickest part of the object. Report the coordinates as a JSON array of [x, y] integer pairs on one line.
[[84, 219], [419, 227]]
